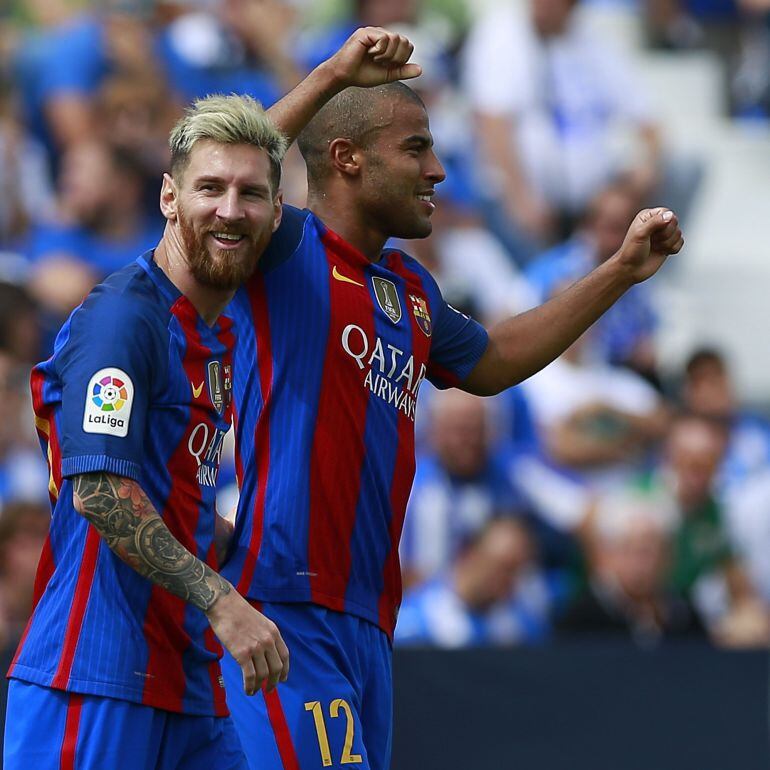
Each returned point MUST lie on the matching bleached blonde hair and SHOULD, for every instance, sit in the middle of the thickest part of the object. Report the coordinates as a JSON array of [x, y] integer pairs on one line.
[[233, 119]]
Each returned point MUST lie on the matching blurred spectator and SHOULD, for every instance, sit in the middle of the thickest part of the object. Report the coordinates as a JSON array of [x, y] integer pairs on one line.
[[100, 226], [747, 510], [232, 46], [624, 335], [25, 185], [628, 595], [23, 473], [486, 286], [708, 390], [19, 324], [23, 530], [737, 31], [493, 595], [316, 45], [60, 69], [461, 483], [705, 566], [597, 422], [137, 116], [548, 94]]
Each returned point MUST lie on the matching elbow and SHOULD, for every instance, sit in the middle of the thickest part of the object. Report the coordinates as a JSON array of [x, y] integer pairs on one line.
[[484, 389]]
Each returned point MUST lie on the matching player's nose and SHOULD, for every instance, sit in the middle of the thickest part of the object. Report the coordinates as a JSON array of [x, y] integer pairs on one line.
[[435, 170], [230, 206]]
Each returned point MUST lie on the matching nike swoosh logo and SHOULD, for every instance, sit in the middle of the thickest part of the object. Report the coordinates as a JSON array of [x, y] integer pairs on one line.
[[338, 276], [197, 391]]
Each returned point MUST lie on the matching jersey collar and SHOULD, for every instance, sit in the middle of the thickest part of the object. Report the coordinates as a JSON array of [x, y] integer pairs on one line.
[[343, 249], [158, 277]]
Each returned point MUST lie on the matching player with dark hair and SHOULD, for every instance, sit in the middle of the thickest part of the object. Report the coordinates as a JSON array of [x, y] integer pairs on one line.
[[335, 335], [119, 664]]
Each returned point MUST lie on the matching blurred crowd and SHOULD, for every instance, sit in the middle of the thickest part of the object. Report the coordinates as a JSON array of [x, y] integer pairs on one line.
[[602, 497]]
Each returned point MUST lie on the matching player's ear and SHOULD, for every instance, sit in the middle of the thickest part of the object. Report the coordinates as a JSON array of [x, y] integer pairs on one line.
[[168, 197], [277, 209], [345, 157]]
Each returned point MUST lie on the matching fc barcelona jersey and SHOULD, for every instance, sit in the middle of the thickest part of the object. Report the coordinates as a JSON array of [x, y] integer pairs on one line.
[[139, 387], [331, 352]]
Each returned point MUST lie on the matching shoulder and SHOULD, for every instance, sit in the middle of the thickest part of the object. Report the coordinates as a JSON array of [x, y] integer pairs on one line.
[[125, 300], [287, 239]]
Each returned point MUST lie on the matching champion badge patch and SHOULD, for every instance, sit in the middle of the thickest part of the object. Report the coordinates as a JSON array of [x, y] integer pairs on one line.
[[387, 298], [220, 385], [109, 399]]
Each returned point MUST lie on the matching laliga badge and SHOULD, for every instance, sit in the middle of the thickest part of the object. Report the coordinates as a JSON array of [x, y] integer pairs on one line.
[[109, 398]]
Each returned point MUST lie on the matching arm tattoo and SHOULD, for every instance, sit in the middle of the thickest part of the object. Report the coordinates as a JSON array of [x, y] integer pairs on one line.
[[123, 515]]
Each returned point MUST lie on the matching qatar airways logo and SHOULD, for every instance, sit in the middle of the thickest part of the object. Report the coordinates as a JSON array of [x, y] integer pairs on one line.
[[390, 373], [205, 445]]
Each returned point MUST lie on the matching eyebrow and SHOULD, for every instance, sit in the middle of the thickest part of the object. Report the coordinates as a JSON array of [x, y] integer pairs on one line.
[[418, 140], [257, 186]]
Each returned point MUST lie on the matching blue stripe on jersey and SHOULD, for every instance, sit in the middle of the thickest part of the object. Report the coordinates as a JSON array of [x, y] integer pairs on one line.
[[246, 380], [298, 328]]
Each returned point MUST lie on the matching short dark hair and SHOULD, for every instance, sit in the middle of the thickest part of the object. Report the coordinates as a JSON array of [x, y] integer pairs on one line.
[[704, 356], [351, 114]]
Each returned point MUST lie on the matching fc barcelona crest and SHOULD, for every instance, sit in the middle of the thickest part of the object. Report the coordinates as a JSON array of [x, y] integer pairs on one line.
[[421, 314], [387, 298], [220, 385]]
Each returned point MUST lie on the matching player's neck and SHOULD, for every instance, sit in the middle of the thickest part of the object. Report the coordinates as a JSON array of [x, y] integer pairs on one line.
[[349, 225], [207, 301]]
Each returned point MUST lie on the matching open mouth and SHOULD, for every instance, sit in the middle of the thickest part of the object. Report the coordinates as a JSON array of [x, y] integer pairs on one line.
[[426, 199], [227, 240]]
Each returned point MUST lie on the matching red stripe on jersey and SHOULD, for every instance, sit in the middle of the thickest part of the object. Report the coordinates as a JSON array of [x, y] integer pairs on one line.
[[45, 570], [277, 717], [403, 471], [78, 610], [164, 619], [338, 443], [281, 732], [46, 565], [46, 430], [225, 336], [71, 730], [260, 314]]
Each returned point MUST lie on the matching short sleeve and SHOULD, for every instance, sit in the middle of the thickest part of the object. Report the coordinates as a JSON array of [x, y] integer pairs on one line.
[[459, 342], [107, 367]]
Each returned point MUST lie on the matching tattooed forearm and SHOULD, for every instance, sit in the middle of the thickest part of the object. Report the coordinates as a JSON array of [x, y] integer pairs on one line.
[[128, 521]]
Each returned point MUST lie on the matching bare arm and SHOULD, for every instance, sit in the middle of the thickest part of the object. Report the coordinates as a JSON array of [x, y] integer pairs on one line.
[[371, 56], [134, 531], [520, 346], [124, 516]]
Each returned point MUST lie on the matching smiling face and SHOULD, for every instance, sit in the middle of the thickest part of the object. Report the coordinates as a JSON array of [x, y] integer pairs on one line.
[[225, 209], [399, 171]]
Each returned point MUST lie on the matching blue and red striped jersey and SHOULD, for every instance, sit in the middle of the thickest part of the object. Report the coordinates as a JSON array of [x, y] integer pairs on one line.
[[331, 351], [138, 386]]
